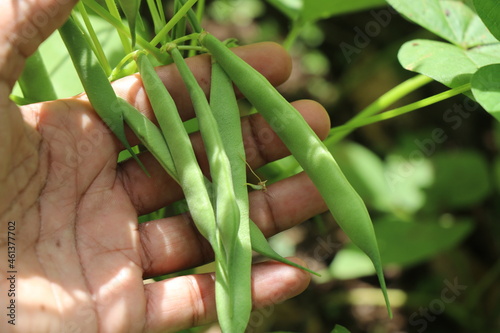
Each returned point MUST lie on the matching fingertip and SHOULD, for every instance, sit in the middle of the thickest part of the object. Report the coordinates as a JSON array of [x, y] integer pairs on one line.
[[315, 115], [276, 282], [268, 58]]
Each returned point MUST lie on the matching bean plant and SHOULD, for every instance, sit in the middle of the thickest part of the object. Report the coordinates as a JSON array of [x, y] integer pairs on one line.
[[219, 206]]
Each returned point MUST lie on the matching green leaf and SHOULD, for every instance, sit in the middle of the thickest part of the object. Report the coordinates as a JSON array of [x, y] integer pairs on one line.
[[131, 9], [314, 10], [461, 180], [453, 20], [290, 8], [365, 172], [407, 176], [401, 243], [446, 63], [486, 89], [489, 11], [340, 329]]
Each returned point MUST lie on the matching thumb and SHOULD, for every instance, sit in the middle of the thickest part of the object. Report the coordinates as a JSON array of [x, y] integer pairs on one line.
[[24, 25]]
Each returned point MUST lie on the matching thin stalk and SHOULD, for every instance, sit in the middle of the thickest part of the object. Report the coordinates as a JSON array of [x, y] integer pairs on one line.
[[383, 102], [77, 22], [99, 10], [123, 37], [172, 22], [35, 82], [103, 60], [159, 4], [180, 28], [158, 22], [292, 35], [121, 70], [404, 109], [200, 11]]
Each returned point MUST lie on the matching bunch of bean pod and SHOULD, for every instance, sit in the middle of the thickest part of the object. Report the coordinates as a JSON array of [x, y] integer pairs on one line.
[[219, 207]]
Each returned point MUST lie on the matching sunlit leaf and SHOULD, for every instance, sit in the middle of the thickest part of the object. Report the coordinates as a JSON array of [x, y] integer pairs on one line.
[[290, 8], [453, 20], [446, 63], [321, 9]]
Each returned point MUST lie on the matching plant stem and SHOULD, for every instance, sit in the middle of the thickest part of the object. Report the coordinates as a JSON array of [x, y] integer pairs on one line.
[[99, 10], [157, 18], [123, 37], [95, 41], [402, 110], [293, 34], [35, 81], [159, 5], [382, 102], [173, 21]]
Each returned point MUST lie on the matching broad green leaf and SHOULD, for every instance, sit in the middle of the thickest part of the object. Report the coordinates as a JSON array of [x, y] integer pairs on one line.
[[313, 10], [453, 20], [290, 8], [489, 11], [401, 243], [365, 172], [321, 9], [340, 329], [131, 9], [461, 179], [446, 63], [486, 89], [407, 176]]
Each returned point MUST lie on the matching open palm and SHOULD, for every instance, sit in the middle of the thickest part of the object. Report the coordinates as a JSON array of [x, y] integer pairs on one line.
[[81, 256]]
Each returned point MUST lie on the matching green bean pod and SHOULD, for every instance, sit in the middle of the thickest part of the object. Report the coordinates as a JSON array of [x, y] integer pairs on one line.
[[220, 169], [226, 113], [233, 312], [187, 169], [344, 203], [97, 87]]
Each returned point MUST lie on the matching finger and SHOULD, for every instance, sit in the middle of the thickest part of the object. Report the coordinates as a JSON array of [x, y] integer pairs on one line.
[[268, 58], [188, 301], [173, 244], [24, 26], [262, 145]]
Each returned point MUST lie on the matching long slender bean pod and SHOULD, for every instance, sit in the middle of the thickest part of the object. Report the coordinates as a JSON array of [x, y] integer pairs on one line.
[[150, 136], [220, 168], [227, 211], [99, 91], [187, 169], [344, 203], [226, 113]]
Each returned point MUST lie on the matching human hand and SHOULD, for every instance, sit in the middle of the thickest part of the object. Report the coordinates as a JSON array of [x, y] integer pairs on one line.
[[81, 256]]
